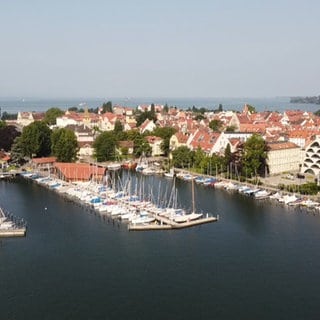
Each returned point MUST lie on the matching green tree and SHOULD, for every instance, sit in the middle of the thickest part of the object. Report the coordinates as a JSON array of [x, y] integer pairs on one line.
[[118, 127], [228, 154], [251, 108], [165, 133], [8, 135], [105, 146], [9, 116], [198, 158], [230, 129], [64, 145], [182, 157], [220, 108], [254, 156], [166, 108], [199, 117], [36, 140], [17, 152], [52, 114], [2, 124], [107, 107], [216, 125], [142, 116]]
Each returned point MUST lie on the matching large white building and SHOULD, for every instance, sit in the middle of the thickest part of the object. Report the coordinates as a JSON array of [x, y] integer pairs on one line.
[[311, 162], [283, 157]]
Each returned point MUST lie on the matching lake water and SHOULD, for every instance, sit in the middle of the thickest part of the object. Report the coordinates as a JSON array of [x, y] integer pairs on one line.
[[260, 261], [261, 104]]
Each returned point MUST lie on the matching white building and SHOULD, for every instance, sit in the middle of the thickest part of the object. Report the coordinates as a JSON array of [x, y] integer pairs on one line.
[[283, 157], [311, 162]]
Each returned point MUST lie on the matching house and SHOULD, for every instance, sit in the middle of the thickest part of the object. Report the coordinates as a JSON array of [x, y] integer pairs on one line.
[[147, 125], [155, 144], [79, 171], [127, 146], [177, 140], [43, 164], [283, 156], [4, 159], [26, 118]]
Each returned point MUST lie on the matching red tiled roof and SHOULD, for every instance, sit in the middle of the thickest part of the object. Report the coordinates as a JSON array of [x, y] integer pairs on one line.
[[44, 160], [79, 171], [282, 145]]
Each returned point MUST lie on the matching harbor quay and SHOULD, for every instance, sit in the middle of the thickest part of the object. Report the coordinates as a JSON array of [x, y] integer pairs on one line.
[[120, 206], [139, 213]]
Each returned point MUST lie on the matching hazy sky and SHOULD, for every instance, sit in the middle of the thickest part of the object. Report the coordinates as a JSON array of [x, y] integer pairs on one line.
[[165, 48]]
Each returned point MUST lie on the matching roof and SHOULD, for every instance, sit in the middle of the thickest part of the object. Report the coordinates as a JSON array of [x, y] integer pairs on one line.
[[79, 171], [44, 160], [273, 146]]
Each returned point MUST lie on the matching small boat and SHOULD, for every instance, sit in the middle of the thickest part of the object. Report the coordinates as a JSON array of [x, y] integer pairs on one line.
[[114, 166], [262, 194], [187, 217], [129, 165]]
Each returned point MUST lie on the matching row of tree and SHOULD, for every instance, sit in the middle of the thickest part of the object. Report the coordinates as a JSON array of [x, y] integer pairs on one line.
[[38, 140], [249, 161]]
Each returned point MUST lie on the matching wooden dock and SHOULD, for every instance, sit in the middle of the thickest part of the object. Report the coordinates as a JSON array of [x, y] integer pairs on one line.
[[8, 233], [167, 224]]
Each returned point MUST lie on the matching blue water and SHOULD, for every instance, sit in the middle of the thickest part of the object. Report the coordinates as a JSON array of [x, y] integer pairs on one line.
[[261, 104], [260, 261]]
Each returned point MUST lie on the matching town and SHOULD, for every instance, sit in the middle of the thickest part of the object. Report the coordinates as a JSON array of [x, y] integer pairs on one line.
[[190, 139]]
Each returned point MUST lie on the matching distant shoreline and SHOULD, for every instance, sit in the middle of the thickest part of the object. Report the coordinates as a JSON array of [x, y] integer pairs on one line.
[[306, 100]]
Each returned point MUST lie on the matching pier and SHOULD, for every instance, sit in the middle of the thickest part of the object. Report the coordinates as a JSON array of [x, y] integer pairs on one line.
[[167, 224], [15, 232], [11, 227]]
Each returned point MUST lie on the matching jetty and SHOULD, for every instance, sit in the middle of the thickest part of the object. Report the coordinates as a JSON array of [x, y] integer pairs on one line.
[[10, 226], [163, 223]]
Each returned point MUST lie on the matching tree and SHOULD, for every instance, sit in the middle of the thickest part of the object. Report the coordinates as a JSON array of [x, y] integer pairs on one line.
[[230, 129], [182, 157], [215, 125], [105, 146], [251, 109], [52, 114], [142, 116], [107, 107], [199, 117], [17, 152], [64, 145], [166, 108], [141, 146], [36, 140], [165, 133], [2, 124], [8, 135], [198, 158], [254, 156], [220, 108], [118, 127], [9, 116], [228, 154]]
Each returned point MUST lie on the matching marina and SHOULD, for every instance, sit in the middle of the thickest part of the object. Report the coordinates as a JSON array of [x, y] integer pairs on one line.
[[140, 207], [260, 252]]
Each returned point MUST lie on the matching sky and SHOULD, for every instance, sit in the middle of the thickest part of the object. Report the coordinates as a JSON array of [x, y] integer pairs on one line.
[[167, 48]]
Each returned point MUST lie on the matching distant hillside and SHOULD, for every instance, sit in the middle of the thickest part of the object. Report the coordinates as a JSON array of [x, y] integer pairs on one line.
[[315, 100]]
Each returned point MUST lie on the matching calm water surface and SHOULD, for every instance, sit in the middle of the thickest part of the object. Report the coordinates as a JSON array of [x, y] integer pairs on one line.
[[260, 261]]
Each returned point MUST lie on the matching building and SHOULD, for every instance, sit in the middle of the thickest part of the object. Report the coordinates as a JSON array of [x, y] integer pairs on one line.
[[311, 162], [283, 157], [79, 172], [155, 144]]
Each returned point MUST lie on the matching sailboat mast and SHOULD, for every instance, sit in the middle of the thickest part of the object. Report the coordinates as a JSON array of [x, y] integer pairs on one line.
[[193, 204]]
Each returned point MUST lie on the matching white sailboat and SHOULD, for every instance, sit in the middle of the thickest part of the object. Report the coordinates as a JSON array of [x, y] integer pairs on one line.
[[190, 216]]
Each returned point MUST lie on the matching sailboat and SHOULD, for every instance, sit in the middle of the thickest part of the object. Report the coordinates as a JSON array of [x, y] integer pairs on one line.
[[190, 216]]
